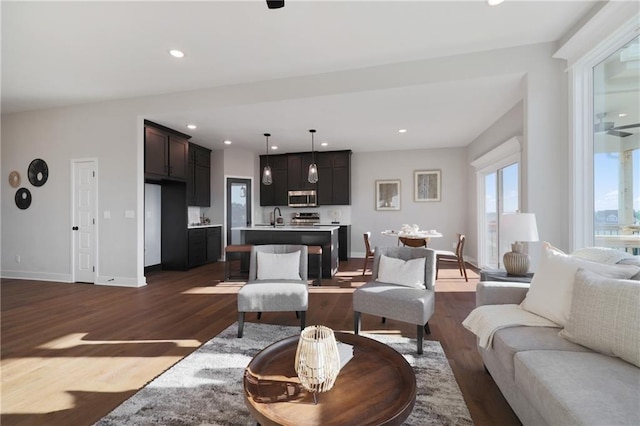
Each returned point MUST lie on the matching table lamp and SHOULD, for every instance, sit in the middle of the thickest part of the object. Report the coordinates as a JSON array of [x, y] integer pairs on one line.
[[317, 361], [518, 227]]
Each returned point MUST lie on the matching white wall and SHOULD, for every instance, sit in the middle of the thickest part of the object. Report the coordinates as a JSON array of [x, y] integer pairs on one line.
[[447, 216]]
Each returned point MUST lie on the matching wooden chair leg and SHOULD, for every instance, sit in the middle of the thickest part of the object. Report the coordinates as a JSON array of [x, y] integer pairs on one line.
[[464, 269], [364, 267], [437, 267], [356, 322], [240, 323], [420, 337], [303, 320]]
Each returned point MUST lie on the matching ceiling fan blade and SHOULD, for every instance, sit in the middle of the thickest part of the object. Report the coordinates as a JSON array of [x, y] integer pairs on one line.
[[627, 126], [619, 133]]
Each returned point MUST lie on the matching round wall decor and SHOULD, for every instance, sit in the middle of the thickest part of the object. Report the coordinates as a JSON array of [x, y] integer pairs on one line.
[[23, 198], [38, 172], [14, 179]]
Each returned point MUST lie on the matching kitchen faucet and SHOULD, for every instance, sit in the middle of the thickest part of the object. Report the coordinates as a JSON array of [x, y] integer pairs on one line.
[[275, 219]]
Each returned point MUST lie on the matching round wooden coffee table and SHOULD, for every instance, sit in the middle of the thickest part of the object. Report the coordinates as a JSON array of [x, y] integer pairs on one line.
[[376, 387]]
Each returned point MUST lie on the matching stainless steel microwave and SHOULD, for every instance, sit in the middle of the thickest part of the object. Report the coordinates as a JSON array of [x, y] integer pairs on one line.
[[306, 198]]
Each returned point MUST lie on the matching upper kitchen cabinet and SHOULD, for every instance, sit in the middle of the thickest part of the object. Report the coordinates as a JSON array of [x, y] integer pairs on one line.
[[334, 178], [199, 176], [299, 171], [275, 194], [165, 152]]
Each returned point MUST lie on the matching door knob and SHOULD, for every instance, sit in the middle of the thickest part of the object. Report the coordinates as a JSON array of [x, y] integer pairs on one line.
[[75, 228]]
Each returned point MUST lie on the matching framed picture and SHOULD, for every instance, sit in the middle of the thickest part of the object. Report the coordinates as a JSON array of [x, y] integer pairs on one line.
[[426, 185], [388, 195]]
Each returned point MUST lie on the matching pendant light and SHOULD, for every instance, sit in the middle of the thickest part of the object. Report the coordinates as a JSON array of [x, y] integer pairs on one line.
[[313, 168], [266, 172]]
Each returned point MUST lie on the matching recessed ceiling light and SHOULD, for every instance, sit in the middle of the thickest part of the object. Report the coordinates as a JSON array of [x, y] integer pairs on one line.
[[324, 144], [227, 142], [622, 114], [494, 2], [274, 147], [192, 126], [176, 53], [402, 131]]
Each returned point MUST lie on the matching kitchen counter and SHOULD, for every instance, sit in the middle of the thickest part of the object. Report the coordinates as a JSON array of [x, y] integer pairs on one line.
[[321, 228], [324, 236], [210, 225]]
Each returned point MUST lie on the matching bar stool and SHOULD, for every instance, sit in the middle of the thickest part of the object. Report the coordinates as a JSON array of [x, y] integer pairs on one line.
[[317, 250], [230, 249]]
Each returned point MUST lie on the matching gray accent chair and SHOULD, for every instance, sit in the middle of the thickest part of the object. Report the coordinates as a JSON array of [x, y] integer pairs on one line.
[[274, 295], [406, 304]]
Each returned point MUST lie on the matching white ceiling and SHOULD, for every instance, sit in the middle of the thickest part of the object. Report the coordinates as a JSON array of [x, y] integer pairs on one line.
[[57, 54]]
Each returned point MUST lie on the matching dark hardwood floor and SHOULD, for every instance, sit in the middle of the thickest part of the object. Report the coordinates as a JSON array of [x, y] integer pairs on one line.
[[70, 353]]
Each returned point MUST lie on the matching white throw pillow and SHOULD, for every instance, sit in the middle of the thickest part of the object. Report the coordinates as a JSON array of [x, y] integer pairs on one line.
[[552, 284], [408, 273], [278, 266], [605, 316]]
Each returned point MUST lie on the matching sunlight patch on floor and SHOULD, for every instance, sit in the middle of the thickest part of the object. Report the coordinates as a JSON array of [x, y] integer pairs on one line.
[[53, 380], [222, 288], [78, 339]]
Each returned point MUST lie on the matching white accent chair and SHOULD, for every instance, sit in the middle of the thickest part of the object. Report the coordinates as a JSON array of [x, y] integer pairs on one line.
[[398, 302], [274, 295]]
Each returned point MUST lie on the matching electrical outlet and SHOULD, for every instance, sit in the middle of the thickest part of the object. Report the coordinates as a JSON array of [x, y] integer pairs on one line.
[[17, 258]]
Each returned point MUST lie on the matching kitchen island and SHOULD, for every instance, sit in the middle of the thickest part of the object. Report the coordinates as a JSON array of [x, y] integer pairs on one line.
[[324, 236]]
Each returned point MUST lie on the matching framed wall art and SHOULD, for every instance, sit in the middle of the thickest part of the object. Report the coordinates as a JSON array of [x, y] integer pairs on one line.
[[426, 185], [388, 194]]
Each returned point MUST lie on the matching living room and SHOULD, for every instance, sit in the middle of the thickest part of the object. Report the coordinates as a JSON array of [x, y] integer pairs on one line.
[[535, 105]]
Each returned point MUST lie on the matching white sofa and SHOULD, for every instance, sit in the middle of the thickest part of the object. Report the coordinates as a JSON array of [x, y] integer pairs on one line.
[[549, 379]]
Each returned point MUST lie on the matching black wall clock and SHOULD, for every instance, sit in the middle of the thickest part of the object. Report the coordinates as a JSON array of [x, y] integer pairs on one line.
[[23, 198], [38, 172]]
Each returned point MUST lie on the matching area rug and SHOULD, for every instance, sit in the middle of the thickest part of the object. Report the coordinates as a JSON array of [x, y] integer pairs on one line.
[[205, 388]]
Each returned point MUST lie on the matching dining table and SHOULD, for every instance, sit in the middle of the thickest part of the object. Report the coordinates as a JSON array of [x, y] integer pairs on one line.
[[417, 235]]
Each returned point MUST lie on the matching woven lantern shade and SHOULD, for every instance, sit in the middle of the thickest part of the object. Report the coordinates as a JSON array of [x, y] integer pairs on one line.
[[317, 361]]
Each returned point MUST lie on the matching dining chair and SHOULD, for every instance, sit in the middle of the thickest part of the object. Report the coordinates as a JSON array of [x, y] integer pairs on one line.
[[457, 257], [413, 242], [369, 252]]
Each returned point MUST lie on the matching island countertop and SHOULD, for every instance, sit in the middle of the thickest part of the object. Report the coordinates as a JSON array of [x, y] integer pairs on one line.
[[323, 228]]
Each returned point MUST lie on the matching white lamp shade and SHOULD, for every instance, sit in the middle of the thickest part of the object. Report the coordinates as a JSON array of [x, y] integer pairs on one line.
[[519, 227]]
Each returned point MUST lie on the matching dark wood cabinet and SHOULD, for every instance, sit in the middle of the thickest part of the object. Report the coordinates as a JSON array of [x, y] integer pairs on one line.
[[290, 172], [165, 152], [275, 194], [214, 243], [344, 242], [199, 176], [205, 245], [334, 178]]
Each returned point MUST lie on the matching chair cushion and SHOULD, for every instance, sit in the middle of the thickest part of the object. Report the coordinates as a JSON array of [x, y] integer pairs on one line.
[[408, 273], [273, 296], [400, 303], [278, 266]]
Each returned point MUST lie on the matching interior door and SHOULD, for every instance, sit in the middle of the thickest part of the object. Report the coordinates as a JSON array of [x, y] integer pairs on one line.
[[84, 220], [238, 207]]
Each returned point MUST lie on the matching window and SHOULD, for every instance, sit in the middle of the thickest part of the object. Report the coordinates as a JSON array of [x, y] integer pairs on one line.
[[498, 177], [616, 149]]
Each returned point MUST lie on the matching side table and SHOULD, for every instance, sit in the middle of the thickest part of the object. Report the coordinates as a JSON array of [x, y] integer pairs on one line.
[[500, 275]]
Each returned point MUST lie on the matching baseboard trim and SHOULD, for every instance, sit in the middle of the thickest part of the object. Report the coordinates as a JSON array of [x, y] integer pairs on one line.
[[36, 276], [121, 281]]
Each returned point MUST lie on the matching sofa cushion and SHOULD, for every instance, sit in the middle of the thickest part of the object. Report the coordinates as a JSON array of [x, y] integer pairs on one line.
[[552, 285], [605, 316], [509, 341], [400, 303], [587, 388]]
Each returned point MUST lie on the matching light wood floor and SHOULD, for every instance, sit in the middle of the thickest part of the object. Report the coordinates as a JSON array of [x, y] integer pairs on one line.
[[73, 352]]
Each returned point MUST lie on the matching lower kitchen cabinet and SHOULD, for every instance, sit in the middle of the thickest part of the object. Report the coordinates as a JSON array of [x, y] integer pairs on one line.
[[204, 245], [344, 242]]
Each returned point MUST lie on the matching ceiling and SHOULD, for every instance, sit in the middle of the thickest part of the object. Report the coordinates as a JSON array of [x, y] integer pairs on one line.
[[59, 54]]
